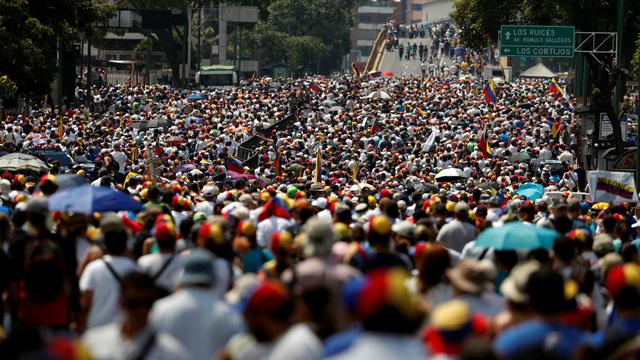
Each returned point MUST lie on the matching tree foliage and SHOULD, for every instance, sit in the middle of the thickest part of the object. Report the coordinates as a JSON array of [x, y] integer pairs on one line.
[[480, 21], [305, 34], [29, 32], [636, 58]]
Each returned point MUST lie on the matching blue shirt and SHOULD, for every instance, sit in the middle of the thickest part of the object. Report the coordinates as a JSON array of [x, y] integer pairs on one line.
[[254, 258], [556, 339]]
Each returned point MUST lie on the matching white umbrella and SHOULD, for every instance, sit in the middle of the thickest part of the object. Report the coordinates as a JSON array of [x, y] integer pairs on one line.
[[20, 161], [473, 112], [450, 175], [379, 95]]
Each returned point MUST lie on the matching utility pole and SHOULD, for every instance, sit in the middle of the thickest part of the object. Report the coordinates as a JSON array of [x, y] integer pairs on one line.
[[59, 79], [88, 68], [619, 60], [236, 45], [148, 72], [189, 39], [638, 136], [199, 37]]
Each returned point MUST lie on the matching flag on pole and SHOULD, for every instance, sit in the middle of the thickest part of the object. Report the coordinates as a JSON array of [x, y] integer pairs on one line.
[[555, 89], [313, 86], [427, 81], [445, 85], [276, 162], [484, 145], [135, 153], [60, 128], [355, 171], [489, 91], [355, 69], [375, 126], [316, 174], [253, 77], [556, 129]]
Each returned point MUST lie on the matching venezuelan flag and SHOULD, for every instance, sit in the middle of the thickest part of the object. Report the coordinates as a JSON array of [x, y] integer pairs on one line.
[[274, 207], [356, 72], [276, 162], [445, 85], [555, 89], [375, 126], [313, 86], [234, 165], [556, 129], [489, 91], [483, 144]]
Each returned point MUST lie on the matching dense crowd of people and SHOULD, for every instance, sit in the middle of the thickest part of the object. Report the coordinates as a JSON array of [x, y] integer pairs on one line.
[[344, 242]]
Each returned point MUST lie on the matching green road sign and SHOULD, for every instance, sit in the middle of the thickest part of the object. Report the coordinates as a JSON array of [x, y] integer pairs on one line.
[[537, 40]]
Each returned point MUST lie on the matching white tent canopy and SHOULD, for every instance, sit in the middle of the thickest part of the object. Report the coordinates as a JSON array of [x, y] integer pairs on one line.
[[538, 71]]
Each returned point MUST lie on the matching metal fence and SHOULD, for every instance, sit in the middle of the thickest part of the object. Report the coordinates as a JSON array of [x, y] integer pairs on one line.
[[120, 77]]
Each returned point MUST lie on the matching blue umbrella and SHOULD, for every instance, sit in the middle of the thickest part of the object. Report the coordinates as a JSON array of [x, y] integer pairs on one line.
[[517, 235], [532, 191], [66, 181], [196, 97], [88, 199]]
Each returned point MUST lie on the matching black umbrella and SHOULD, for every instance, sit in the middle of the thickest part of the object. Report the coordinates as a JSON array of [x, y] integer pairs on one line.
[[489, 185], [425, 188]]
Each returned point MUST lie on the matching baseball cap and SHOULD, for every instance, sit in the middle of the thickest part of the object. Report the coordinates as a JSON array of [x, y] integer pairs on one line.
[[197, 269]]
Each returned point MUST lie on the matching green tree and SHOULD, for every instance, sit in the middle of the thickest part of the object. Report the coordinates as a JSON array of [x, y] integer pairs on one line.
[[636, 58], [29, 32], [304, 33], [480, 21]]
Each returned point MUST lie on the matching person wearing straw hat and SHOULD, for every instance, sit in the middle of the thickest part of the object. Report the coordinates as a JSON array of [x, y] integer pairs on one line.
[[473, 282]]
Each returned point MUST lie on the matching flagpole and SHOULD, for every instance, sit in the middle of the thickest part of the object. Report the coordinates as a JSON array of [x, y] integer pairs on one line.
[[316, 176]]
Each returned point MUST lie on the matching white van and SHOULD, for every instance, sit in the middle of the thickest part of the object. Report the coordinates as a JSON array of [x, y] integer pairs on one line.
[[216, 77]]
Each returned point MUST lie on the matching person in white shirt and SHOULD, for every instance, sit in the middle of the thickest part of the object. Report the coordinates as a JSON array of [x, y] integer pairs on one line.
[[455, 234], [100, 280], [545, 153], [206, 207], [119, 157], [133, 338], [163, 266], [194, 315]]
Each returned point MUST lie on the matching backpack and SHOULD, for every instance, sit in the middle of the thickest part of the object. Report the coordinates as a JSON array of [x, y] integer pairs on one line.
[[44, 271]]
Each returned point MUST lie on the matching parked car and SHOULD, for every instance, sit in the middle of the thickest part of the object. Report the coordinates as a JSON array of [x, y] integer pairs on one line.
[[54, 156]]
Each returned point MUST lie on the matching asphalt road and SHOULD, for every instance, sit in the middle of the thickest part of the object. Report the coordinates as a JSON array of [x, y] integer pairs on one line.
[[391, 61]]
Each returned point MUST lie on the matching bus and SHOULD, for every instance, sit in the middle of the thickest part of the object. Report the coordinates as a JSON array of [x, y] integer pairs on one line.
[[216, 76]]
